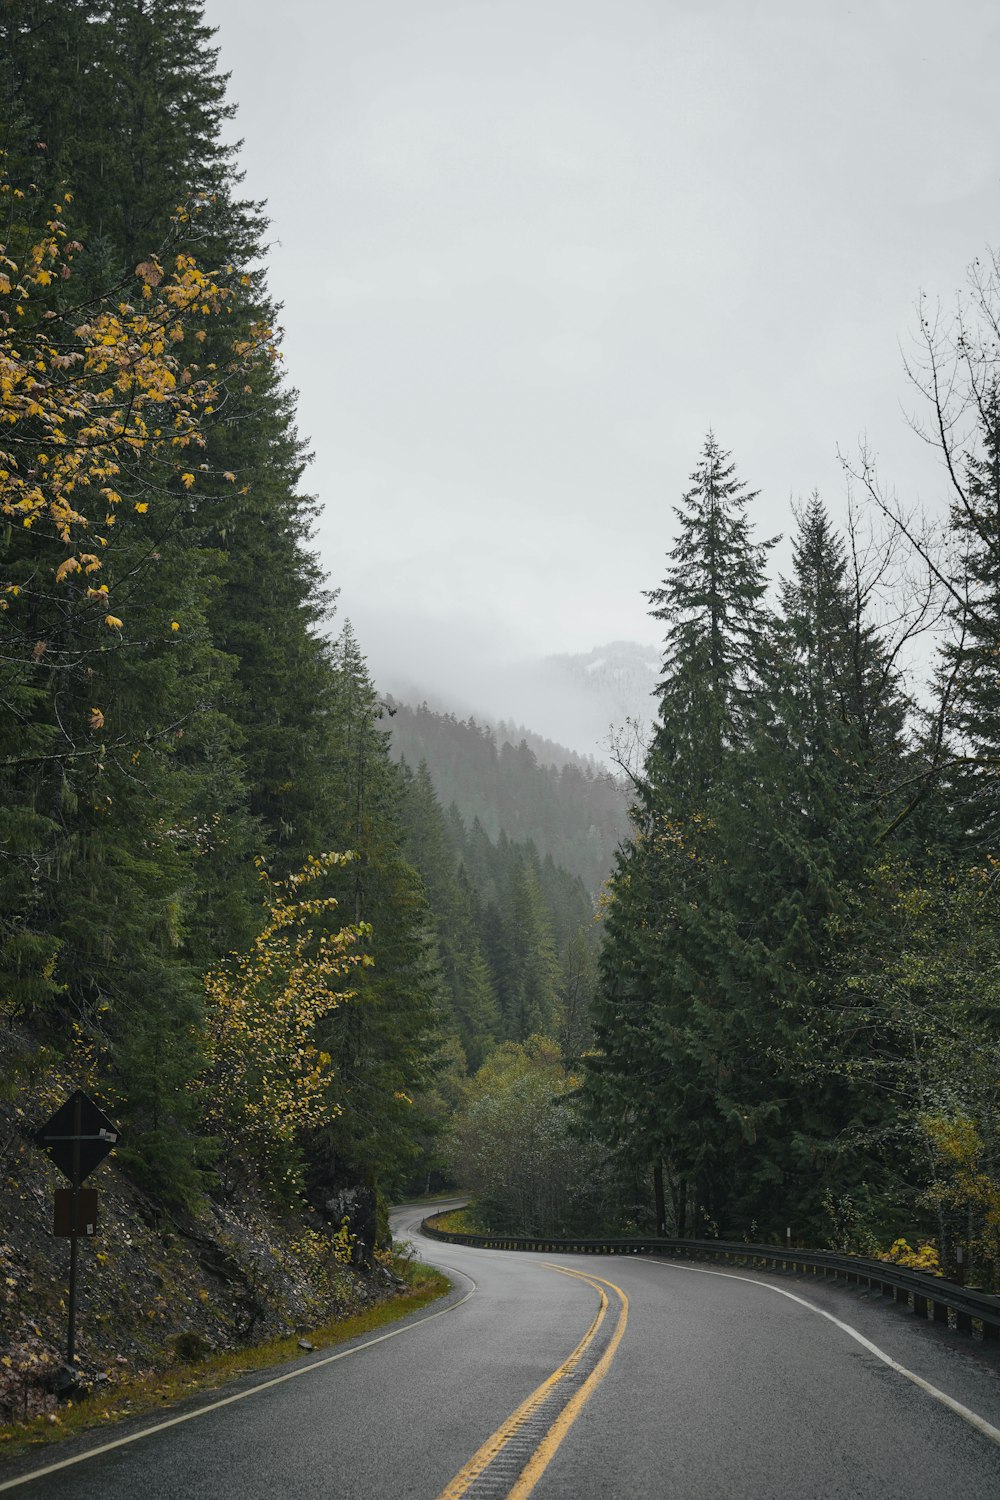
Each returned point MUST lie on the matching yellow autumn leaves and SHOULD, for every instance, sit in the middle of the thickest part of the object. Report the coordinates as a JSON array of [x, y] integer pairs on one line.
[[268, 1079], [93, 409]]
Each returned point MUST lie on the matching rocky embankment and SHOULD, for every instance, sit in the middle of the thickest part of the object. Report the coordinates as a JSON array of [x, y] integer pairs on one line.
[[156, 1288]]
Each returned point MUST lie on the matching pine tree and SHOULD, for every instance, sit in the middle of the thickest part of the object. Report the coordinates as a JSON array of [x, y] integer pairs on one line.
[[710, 601], [470, 1002], [381, 1041], [659, 1027], [118, 765], [793, 829], [577, 982], [126, 102], [127, 99], [975, 618]]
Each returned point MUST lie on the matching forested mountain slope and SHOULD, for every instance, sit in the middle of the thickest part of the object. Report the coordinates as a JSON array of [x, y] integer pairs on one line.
[[573, 812]]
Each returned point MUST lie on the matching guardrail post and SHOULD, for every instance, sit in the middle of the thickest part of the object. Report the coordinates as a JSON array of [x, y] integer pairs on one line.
[[963, 1322], [940, 1312], [990, 1331], [919, 1305]]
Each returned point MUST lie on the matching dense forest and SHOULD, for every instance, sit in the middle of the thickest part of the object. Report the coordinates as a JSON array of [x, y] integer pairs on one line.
[[296, 938], [797, 1013], [571, 809], [223, 906]]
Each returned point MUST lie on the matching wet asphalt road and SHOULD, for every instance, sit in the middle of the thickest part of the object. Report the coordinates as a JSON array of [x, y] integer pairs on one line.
[[721, 1389]]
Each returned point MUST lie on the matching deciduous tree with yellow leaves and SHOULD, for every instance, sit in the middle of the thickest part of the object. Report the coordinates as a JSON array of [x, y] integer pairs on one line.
[[268, 1080], [105, 401]]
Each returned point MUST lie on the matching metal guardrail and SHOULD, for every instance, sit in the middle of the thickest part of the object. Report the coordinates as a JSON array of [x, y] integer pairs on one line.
[[929, 1296]]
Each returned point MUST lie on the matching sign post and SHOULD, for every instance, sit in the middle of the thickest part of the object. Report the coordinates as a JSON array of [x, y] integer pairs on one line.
[[76, 1139]]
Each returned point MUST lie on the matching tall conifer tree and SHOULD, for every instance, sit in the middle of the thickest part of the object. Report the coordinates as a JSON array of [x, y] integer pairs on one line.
[[381, 1040], [975, 613], [659, 1053]]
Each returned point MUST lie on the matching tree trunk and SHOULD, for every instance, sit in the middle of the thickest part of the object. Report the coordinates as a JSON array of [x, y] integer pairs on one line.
[[661, 1207], [680, 1208]]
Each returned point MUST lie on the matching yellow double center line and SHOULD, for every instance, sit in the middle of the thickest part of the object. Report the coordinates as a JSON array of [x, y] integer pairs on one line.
[[546, 1449]]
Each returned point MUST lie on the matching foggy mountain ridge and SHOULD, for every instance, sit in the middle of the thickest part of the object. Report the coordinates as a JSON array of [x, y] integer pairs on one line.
[[613, 683], [576, 812], [572, 701], [501, 731]]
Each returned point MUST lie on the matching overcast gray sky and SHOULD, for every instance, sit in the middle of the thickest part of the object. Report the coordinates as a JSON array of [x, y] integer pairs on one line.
[[530, 250]]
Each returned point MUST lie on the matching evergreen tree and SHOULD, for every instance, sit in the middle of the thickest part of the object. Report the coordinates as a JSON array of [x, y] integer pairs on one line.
[[975, 615], [127, 101], [577, 983], [573, 813], [661, 1047], [119, 764], [793, 830], [710, 601], [381, 1040], [529, 994], [472, 1013]]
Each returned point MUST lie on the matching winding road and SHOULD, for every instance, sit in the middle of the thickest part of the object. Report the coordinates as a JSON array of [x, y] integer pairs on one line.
[[581, 1378]]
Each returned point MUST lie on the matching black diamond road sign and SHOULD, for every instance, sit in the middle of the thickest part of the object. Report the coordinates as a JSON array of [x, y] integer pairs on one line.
[[77, 1126]]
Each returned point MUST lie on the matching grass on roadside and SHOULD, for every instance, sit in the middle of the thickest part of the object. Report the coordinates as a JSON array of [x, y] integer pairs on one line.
[[164, 1389], [457, 1221]]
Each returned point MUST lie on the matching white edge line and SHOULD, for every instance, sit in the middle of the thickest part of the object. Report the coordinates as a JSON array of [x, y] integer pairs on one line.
[[266, 1385], [967, 1415]]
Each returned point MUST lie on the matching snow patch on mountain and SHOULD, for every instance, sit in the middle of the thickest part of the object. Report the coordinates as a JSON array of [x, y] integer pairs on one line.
[[589, 702]]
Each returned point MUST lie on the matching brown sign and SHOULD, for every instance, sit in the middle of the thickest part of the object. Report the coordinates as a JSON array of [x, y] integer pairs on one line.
[[86, 1212]]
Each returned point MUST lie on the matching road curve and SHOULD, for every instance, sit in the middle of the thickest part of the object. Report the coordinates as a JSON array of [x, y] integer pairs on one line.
[[624, 1378]]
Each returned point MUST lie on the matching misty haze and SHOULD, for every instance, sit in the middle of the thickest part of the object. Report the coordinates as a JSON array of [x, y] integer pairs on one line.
[[499, 749]]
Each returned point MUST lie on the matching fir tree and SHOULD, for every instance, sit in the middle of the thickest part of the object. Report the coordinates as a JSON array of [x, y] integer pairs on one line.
[[792, 828], [710, 601], [381, 1041], [661, 1040], [472, 1012], [975, 615]]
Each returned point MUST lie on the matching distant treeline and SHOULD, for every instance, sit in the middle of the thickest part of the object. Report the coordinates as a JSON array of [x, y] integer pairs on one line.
[[515, 933], [571, 811]]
